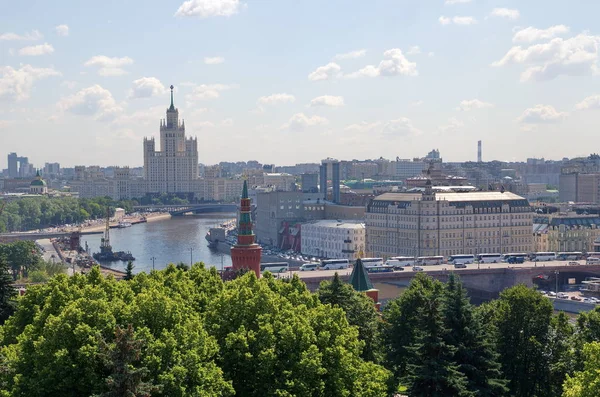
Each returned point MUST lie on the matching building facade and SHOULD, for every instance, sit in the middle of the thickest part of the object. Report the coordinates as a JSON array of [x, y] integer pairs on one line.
[[333, 239], [565, 233], [173, 169], [432, 224]]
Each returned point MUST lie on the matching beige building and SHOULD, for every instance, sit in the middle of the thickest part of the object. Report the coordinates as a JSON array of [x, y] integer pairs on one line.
[[279, 180], [431, 224], [565, 233], [333, 239]]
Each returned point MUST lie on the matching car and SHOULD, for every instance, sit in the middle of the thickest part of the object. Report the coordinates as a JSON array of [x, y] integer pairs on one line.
[[576, 298], [551, 293], [460, 266], [573, 263], [587, 300], [593, 259], [309, 267], [562, 295], [543, 292], [417, 269]]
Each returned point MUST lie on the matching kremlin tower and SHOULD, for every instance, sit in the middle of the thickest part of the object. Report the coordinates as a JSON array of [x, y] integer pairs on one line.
[[246, 253]]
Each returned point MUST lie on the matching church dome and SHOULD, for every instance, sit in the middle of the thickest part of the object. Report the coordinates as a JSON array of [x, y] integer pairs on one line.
[[38, 181]]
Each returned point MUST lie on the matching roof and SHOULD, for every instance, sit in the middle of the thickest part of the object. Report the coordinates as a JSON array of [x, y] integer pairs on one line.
[[359, 279], [38, 182], [341, 224]]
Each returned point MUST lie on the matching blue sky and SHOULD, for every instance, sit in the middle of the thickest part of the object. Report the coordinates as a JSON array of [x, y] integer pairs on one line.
[[296, 81]]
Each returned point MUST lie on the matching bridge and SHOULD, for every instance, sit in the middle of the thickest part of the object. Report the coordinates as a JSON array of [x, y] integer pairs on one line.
[[21, 236], [483, 284], [176, 210]]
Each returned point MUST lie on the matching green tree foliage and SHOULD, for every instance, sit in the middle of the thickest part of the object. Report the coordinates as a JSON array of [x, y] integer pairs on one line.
[[400, 323], [122, 359], [475, 353], [7, 291], [360, 312], [561, 351], [129, 271], [431, 369], [42, 212], [586, 383], [51, 344], [21, 257], [587, 330], [522, 318], [277, 340]]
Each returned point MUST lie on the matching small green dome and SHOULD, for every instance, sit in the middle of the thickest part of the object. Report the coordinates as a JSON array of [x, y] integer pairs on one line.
[[38, 182]]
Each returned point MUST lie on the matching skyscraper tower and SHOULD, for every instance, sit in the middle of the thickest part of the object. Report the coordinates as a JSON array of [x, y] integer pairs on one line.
[[246, 253], [479, 151]]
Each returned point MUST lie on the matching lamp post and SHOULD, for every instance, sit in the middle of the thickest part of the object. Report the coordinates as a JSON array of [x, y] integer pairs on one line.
[[191, 256], [556, 273], [152, 259]]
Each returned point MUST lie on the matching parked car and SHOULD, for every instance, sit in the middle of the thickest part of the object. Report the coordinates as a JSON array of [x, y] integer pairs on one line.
[[551, 293], [417, 269], [460, 266], [573, 263], [576, 298], [562, 295]]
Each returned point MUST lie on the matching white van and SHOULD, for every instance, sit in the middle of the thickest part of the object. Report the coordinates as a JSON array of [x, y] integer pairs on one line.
[[309, 267], [593, 259]]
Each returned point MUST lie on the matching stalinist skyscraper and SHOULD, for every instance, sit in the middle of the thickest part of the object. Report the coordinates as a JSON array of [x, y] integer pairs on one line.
[[173, 169]]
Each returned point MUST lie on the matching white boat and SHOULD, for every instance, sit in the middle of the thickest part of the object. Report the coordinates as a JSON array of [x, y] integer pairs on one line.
[[123, 224]]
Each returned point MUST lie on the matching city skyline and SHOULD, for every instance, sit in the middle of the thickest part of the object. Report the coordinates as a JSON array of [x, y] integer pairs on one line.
[[398, 80]]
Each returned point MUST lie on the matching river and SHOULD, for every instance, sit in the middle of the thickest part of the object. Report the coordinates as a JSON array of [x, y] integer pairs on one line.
[[168, 241]]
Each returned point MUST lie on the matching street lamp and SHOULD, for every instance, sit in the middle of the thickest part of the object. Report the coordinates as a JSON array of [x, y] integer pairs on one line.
[[152, 259], [556, 273], [191, 256]]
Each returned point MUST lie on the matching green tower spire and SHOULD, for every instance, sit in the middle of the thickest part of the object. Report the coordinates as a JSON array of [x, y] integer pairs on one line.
[[359, 278], [245, 190]]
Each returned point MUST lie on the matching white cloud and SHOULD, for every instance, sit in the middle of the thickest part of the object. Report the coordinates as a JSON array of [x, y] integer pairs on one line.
[[431, 54], [394, 64], [62, 30], [209, 91], [400, 127], [227, 122], [508, 13], [417, 103], [576, 56], [451, 2], [300, 122], [208, 8], [213, 60], [531, 34], [363, 126], [327, 100], [541, 114], [275, 99], [457, 20], [591, 102], [109, 66], [92, 101], [325, 72], [452, 125], [472, 104], [16, 84], [352, 54], [414, 50], [29, 36], [36, 50], [147, 87]]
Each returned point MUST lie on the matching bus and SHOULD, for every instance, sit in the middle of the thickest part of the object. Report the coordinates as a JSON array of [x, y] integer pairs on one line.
[[380, 269], [506, 257], [370, 262], [489, 258], [335, 264], [461, 259], [275, 267], [569, 256], [430, 260], [543, 256], [401, 261]]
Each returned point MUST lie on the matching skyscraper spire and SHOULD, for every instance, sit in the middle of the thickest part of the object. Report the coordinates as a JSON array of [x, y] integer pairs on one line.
[[172, 107]]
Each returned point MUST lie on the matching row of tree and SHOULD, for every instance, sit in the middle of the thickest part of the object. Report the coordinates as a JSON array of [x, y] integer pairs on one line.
[[184, 332], [23, 260], [41, 212]]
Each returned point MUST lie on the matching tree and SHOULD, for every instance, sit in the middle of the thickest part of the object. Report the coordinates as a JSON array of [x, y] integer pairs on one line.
[[585, 383], [522, 319], [561, 351], [399, 329], [431, 369], [120, 359], [360, 312], [475, 354], [7, 292], [129, 271]]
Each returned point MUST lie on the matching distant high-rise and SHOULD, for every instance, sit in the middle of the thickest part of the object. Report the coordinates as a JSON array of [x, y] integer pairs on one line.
[[330, 168], [310, 183], [174, 168], [246, 253], [18, 166], [479, 151]]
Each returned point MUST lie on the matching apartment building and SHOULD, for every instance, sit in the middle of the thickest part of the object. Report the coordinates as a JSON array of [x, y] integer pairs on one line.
[[447, 223], [333, 239]]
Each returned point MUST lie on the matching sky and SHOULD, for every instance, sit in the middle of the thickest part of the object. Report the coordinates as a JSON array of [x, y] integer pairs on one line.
[[288, 81]]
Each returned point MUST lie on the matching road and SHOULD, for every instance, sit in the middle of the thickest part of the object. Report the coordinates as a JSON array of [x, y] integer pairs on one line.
[[541, 265]]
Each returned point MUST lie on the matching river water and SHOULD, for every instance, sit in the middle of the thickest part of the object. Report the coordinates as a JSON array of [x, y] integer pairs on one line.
[[168, 241]]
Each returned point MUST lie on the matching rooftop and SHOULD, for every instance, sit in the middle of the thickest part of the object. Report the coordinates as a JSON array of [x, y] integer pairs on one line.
[[452, 197], [333, 223]]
